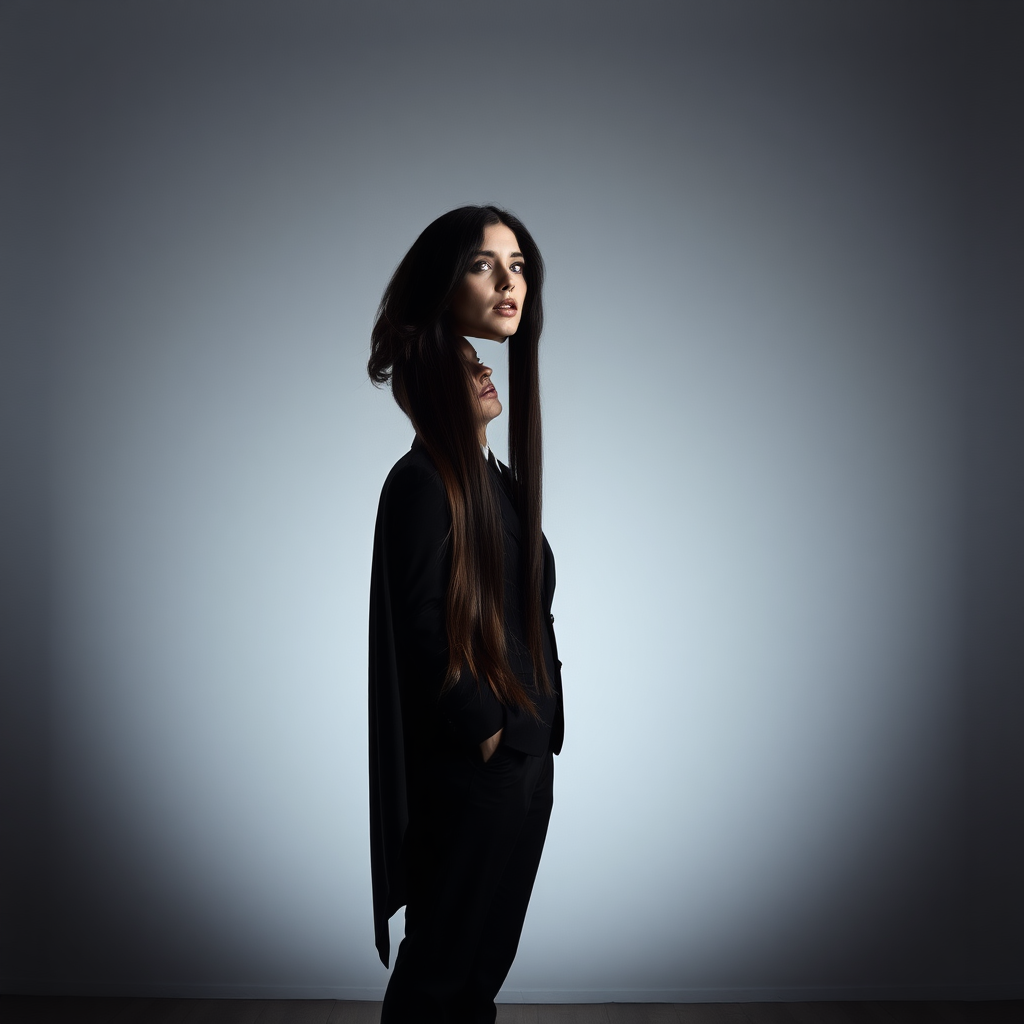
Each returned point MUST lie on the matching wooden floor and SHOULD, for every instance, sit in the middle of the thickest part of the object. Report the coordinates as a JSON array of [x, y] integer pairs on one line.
[[52, 1010]]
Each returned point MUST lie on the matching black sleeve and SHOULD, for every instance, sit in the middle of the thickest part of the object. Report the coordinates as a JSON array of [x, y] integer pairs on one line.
[[417, 524]]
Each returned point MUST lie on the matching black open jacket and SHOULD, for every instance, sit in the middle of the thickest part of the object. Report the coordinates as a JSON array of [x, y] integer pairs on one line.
[[409, 659]]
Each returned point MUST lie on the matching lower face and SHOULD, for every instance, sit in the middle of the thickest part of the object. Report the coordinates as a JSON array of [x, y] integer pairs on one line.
[[485, 393]]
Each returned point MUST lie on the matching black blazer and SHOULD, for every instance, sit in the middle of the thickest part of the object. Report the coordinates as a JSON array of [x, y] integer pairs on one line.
[[409, 659]]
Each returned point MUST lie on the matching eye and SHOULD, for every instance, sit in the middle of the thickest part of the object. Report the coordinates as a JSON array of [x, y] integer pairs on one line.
[[480, 266], [517, 268]]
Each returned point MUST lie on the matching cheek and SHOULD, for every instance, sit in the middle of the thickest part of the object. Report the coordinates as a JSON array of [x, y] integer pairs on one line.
[[476, 292], [467, 301]]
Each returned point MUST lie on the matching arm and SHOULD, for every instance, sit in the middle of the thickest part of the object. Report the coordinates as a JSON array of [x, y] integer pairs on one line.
[[417, 525]]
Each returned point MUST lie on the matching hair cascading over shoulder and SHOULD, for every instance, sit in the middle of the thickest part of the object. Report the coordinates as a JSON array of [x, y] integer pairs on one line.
[[414, 347]]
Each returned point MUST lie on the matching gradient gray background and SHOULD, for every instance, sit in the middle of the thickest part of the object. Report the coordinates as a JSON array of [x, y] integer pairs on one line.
[[782, 382]]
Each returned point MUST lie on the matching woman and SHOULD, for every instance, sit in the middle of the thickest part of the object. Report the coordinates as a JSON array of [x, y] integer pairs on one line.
[[465, 690]]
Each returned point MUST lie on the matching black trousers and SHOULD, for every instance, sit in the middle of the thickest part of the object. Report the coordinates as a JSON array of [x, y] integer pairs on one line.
[[475, 839]]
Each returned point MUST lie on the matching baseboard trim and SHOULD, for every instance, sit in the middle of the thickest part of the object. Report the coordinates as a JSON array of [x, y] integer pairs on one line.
[[766, 994], [736, 994]]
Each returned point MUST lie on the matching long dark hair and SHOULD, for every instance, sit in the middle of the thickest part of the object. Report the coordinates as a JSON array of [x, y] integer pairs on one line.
[[414, 347]]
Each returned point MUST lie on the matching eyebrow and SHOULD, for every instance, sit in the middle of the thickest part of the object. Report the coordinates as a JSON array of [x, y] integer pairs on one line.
[[494, 255]]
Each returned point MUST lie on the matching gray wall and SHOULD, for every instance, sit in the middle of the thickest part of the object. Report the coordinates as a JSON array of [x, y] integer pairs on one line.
[[782, 377]]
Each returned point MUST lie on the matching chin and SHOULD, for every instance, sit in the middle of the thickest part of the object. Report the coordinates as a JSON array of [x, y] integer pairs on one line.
[[502, 330]]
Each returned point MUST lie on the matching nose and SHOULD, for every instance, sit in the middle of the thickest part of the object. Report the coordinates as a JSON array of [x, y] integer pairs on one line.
[[507, 282], [485, 371]]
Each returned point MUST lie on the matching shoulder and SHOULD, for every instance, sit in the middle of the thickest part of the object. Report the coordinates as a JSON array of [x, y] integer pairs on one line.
[[412, 473], [413, 518], [413, 497]]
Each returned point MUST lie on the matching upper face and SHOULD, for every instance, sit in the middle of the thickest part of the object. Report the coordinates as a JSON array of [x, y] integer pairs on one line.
[[485, 392], [489, 302]]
